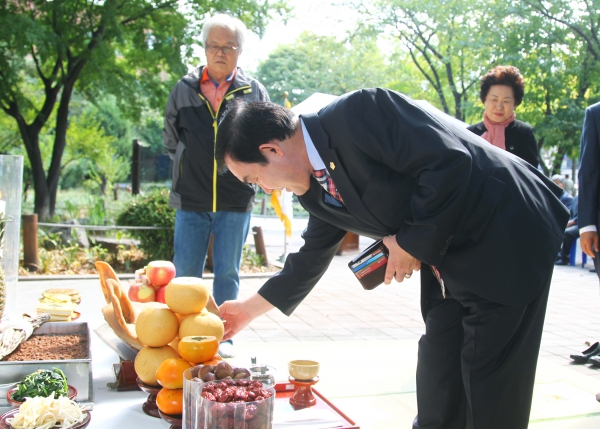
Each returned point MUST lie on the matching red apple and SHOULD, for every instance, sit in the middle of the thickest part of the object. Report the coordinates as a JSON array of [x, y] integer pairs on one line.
[[160, 294], [160, 273], [141, 292]]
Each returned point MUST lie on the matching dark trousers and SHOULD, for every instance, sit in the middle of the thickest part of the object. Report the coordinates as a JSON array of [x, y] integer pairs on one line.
[[571, 234], [597, 263], [477, 359]]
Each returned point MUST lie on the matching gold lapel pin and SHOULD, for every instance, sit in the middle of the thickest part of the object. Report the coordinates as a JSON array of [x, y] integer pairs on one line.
[[332, 165]]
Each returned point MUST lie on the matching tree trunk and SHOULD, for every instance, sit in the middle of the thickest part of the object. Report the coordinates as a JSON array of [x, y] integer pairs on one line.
[[60, 141], [60, 135], [31, 138]]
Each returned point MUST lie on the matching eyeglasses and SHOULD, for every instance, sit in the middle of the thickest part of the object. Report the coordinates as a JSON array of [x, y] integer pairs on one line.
[[227, 50]]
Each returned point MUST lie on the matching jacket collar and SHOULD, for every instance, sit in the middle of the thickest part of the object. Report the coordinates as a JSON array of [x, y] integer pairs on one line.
[[192, 79], [352, 201]]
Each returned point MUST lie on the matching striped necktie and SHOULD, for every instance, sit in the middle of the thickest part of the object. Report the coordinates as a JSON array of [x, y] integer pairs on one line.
[[326, 182], [437, 275]]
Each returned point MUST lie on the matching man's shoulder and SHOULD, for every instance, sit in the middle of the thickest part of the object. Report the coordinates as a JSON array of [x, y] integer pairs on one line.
[[191, 79], [243, 79], [594, 107], [358, 98]]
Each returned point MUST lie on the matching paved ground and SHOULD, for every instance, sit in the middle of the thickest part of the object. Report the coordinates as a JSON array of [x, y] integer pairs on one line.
[[366, 342]]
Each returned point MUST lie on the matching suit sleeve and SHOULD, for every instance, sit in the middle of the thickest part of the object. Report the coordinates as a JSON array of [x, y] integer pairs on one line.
[[396, 132], [302, 270], [530, 148], [170, 133], [589, 168]]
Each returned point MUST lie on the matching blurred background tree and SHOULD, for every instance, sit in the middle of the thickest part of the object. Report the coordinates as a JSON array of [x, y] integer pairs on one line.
[[322, 64], [132, 50], [80, 80]]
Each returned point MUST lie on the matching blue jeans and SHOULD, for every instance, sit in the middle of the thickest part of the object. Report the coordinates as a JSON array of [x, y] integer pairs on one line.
[[192, 235]]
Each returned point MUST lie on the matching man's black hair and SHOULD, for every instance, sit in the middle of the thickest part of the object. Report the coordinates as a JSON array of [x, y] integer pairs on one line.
[[247, 125]]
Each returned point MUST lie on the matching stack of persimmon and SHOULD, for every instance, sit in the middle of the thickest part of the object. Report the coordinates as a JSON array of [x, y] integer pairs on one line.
[[177, 336]]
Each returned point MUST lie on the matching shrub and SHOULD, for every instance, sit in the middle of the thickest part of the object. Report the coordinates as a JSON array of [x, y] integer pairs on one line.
[[151, 210]]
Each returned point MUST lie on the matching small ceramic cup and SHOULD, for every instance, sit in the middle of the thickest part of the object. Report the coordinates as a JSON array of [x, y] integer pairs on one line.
[[303, 369]]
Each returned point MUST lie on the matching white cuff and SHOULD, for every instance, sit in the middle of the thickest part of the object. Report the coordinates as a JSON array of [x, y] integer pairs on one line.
[[588, 228]]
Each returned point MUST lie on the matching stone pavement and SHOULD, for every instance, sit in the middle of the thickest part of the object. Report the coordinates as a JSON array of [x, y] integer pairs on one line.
[[366, 342]]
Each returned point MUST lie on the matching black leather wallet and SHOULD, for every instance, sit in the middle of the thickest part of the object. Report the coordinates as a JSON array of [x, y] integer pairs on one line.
[[369, 267]]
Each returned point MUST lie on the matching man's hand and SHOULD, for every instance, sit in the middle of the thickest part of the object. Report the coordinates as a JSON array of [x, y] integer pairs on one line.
[[589, 243], [237, 314], [400, 263], [570, 223]]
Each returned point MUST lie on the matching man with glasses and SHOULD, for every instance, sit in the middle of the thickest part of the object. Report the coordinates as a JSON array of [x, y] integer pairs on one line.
[[207, 203]]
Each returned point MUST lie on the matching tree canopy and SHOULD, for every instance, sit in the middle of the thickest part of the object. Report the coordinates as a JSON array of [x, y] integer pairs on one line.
[[440, 50], [132, 49], [322, 64]]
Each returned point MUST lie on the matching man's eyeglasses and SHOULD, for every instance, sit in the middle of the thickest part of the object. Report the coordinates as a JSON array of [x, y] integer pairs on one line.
[[227, 50]]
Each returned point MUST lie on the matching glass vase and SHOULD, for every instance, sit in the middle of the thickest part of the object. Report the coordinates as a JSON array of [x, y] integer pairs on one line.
[[11, 182]]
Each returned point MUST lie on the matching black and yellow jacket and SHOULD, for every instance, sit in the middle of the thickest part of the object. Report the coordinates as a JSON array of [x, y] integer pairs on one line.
[[189, 133]]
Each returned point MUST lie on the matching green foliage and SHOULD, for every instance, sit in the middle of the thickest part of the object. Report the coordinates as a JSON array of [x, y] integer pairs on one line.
[[134, 50], [450, 43], [560, 74], [321, 64], [92, 153], [251, 258], [9, 135], [71, 259], [151, 210], [43, 383]]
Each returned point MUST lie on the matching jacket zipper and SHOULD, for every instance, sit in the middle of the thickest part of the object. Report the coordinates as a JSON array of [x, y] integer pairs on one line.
[[214, 115]]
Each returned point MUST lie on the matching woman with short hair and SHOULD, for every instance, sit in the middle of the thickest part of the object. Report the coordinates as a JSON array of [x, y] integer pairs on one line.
[[502, 90]]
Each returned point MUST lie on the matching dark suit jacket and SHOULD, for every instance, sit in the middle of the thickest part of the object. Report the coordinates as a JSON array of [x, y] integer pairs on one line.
[[520, 140], [589, 169], [485, 218]]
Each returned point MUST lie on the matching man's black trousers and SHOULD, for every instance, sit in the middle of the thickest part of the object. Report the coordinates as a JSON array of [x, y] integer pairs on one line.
[[477, 359]]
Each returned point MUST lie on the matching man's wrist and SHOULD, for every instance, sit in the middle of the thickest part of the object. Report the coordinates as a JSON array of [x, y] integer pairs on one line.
[[256, 305], [588, 228]]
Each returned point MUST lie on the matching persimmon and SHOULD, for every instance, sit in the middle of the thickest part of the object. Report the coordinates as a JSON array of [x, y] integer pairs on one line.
[[169, 373], [198, 349], [170, 401]]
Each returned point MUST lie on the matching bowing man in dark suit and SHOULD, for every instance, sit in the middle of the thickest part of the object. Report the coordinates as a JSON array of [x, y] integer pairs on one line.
[[589, 184], [445, 202]]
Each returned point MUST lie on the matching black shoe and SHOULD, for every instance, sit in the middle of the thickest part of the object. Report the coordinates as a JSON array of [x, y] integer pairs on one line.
[[593, 270], [561, 262], [594, 360], [585, 355]]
